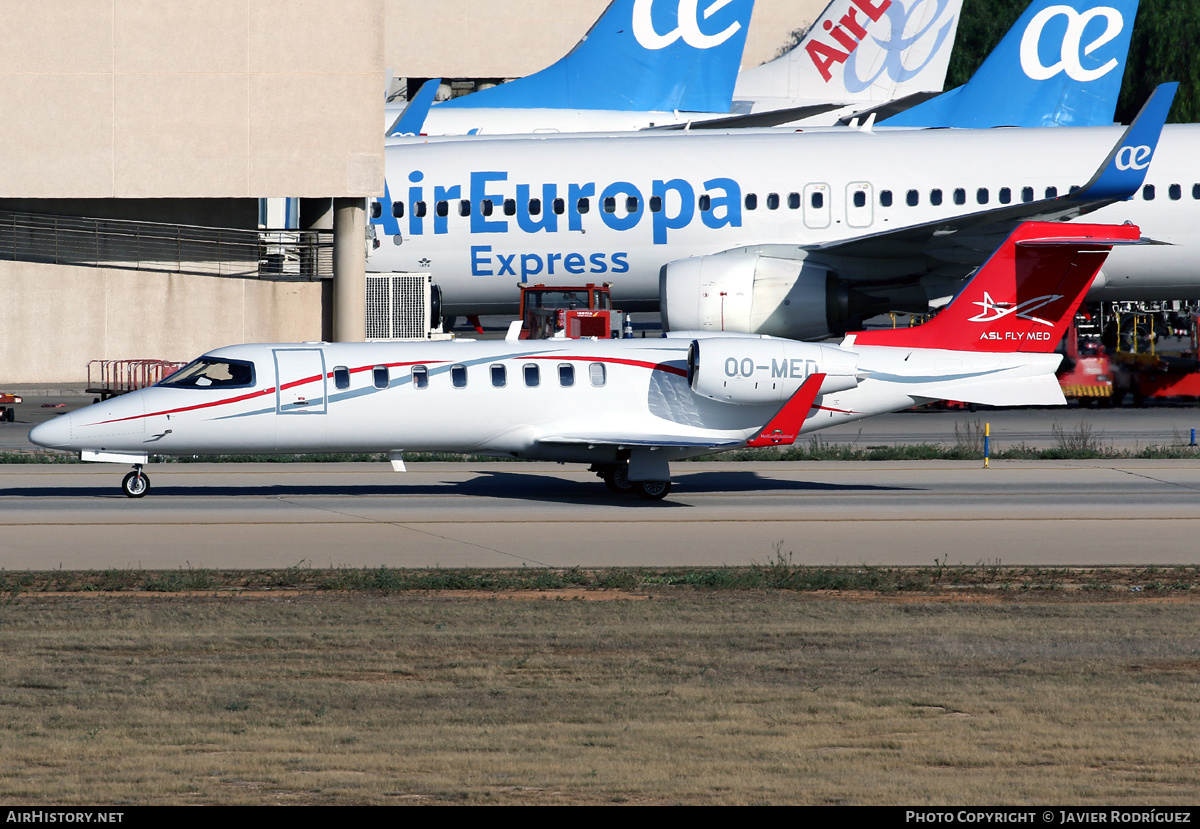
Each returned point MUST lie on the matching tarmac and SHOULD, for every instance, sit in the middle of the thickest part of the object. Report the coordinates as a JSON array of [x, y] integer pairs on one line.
[[201, 515]]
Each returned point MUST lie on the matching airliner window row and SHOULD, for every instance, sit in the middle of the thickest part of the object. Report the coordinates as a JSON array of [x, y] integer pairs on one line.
[[498, 372], [912, 198]]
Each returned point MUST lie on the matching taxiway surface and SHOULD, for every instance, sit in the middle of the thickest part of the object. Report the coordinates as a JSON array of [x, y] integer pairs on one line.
[[546, 515]]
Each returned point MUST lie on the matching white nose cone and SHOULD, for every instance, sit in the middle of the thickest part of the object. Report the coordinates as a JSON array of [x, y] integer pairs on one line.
[[53, 434]]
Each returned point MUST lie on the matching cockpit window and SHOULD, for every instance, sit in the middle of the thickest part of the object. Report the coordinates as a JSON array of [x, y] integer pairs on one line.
[[211, 372]]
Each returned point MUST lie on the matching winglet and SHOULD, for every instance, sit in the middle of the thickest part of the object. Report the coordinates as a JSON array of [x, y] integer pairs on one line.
[[1125, 168], [413, 117], [784, 427], [1023, 297]]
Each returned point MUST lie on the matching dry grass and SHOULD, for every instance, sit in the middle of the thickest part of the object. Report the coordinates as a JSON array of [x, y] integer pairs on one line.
[[721, 698]]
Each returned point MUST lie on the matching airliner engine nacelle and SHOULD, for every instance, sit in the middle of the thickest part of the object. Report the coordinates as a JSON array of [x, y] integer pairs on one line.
[[750, 292], [746, 370]]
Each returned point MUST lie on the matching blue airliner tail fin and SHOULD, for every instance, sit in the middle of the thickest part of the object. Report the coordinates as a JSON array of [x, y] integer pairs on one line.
[[1060, 64], [639, 56]]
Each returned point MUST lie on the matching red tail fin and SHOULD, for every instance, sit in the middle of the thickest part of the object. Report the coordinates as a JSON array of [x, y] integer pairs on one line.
[[1023, 297]]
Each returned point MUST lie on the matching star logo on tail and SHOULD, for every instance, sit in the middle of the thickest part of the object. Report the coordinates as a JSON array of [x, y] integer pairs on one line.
[[993, 310]]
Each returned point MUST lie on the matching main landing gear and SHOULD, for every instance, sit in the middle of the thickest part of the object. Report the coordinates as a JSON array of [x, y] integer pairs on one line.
[[135, 484], [616, 478]]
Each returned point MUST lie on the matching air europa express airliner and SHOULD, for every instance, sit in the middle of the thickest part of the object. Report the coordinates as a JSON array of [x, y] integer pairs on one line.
[[798, 235]]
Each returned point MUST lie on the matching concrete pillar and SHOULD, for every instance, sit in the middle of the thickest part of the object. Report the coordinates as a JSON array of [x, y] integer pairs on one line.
[[349, 270]]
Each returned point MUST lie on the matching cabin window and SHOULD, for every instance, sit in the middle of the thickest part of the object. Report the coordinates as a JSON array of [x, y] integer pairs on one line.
[[210, 372], [610, 204], [631, 204], [559, 206], [706, 202], [656, 204], [960, 196], [510, 207], [419, 209], [341, 377], [379, 375], [398, 209], [1052, 192], [794, 201], [458, 376], [535, 207], [772, 201], [1196, 191], [376, 210], [1074, 188], [818, 200], [885, 198], [597, 374], [530, 371], [442, 208], [1148, 192], [566, 375], [1005, 195], [420, 377], [583, 206], [1027, 194], [1175, 192], [499, 376], [486, 207], [464, 207], [751, 201], [912, 198], [935, 197], [982, 196]]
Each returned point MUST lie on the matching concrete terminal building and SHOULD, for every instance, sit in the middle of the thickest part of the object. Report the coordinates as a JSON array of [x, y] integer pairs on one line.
[[140, 138]]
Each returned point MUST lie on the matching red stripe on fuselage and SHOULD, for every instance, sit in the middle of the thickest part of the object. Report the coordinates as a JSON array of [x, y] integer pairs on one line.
[[237, 399], [617, 360], [636, 363]]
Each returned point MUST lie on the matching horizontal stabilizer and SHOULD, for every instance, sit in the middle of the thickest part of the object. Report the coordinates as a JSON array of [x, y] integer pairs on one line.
[[1026, 391], [754, 120]]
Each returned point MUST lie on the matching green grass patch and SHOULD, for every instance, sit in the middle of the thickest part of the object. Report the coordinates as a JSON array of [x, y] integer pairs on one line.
[[777, 574]]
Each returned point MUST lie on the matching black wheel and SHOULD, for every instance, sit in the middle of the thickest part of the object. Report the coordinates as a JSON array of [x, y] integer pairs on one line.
[[616, 478], [135, 484], [652, 490]]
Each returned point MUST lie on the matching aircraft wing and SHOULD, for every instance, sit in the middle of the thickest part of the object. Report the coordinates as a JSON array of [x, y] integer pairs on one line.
[[969, 238], [612, 439]]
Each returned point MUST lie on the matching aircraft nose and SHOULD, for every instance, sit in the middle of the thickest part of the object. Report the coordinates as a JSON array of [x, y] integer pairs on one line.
[[53, 434]]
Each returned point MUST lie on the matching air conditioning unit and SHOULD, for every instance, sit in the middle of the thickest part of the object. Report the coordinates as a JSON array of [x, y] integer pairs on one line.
[[403, 306]]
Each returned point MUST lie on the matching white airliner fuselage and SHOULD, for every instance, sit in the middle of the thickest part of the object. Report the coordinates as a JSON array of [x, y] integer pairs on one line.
[[618, 209]]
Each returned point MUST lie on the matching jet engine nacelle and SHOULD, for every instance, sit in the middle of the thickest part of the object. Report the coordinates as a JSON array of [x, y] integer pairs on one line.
[[745, 370], [753, 293]]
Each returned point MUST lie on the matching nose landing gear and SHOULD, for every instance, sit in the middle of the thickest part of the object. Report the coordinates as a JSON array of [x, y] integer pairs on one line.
[[135, 484]]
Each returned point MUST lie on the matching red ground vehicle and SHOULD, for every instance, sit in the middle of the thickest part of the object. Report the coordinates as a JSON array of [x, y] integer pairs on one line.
[[7, 412], [1087, 370], [575, 310]]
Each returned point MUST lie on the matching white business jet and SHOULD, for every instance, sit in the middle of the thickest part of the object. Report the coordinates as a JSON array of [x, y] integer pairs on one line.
[[627, 407]]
